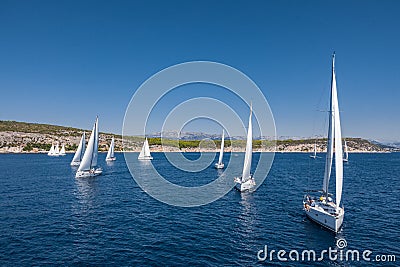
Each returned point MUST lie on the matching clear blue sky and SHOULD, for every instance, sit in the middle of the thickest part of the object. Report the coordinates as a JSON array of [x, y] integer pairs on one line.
[[64, 62]]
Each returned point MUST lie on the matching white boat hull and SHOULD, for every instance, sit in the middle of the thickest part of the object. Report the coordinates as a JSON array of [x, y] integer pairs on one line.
[[219, 166], [111, 159], [145, 158], [248, 186], [328, 219], [91, 173], [75, 163]]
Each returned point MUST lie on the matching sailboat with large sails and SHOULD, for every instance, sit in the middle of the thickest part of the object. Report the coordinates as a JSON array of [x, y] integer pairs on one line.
[[62, 151], [246, 182], [51, 152], [88, 165], [220, 164], [56, 151], [314, 155], [323, 209], [76, 161], [110, 153], [145, 153], [346, 152]]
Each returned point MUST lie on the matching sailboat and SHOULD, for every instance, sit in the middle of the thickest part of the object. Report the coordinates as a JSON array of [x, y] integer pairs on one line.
[[324, 210], [76, 161], [56, 151], [87, 167], [346, 152], [110, 153], [62, 151], [145, 153], [246, 181], [314, 155], [219, 164], [51, 151]]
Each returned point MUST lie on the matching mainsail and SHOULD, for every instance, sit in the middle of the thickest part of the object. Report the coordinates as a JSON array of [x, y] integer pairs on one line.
[[56, 150], [110, 153], [221, 152], [249, 151], [346, 150], [89, 159], [334, 142], [145, 152], [51, 151], [62, 151]]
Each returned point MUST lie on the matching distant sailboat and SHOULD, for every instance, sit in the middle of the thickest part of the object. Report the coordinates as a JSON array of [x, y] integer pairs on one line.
[[314, 155], [62, 151], [246, 181], [88, 165], [324, 210], [219, 164], [110, 153], [346, 152], [51, 151], [76, 161], [145, 153], [56, 151]]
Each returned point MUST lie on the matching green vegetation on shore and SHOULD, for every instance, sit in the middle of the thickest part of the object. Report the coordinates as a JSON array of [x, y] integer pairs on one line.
[[39, 137], [27, 127]]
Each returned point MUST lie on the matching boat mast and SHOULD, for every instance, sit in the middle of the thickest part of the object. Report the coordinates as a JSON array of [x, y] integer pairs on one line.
[[329, 152]]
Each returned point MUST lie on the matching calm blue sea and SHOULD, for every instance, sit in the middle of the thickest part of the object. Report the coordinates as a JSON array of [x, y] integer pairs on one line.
[[47, 217]]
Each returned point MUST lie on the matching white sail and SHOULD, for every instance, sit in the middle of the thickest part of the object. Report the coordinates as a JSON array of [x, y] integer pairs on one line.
[[141, 154], [51, 151], [249, 151], [62, 151], [146, 149], [338, 139], [315, 149], [145, 152], [110, 153], [56, 150], [89, 159], [81, 149], [221, 152], [329, 152], [96, 144], [334, 142]]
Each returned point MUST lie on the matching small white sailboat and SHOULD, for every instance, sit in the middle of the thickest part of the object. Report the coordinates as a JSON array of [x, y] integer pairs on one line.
[[145, 153], [62, 151], [76, 161], [51, 151], [56, 151], [87, 167], [220, 164], [324, 210], [246, 181], [110, 153], [346, 152], [314, 155]]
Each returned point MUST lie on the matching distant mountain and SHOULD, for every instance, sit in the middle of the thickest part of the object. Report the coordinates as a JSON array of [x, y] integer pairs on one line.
[[387, 144], [174, 135]]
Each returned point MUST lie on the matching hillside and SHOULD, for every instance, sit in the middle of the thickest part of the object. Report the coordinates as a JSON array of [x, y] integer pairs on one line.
[[33, 137]]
